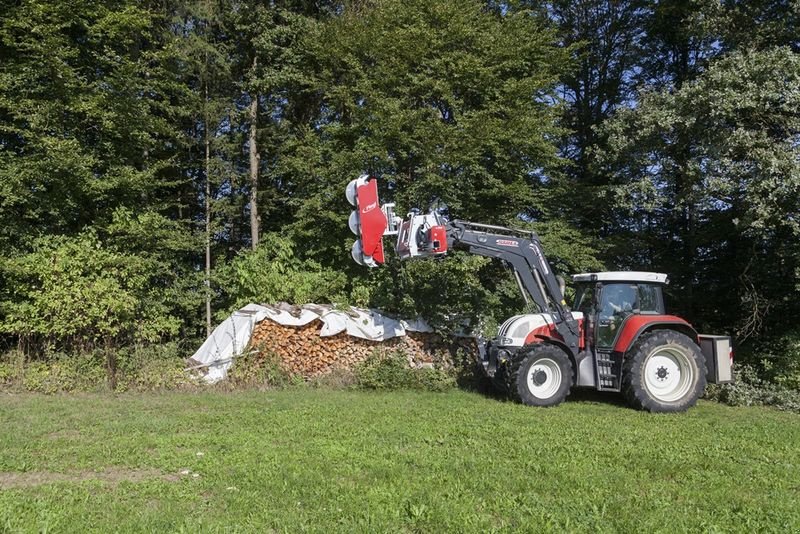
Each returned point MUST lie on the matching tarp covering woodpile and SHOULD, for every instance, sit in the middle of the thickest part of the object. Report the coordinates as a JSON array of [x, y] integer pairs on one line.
[[313, 340]]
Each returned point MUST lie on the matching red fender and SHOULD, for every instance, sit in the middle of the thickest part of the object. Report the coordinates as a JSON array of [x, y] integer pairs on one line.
[[636, 325], [549, 330]]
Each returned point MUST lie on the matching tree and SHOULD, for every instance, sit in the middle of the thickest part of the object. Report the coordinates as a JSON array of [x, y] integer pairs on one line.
[[268, 64], [442, 100], [203, 46], [739, 175], [82, 123], [88, 135]]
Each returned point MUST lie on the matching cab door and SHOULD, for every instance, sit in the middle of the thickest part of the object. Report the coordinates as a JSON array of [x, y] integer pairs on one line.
[[616, 303]]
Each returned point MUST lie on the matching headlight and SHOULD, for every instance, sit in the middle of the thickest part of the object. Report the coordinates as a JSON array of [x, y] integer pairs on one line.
[[502, 341]]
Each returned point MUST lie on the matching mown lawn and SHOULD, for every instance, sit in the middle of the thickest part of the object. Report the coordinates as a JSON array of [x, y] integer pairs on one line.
[[357, 461]]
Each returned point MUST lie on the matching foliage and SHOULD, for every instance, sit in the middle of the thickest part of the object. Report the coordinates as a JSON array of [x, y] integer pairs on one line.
[[137, 368], [441, 100], [651, 136], [448, 294], [751, 390], [258, 369], [392, 371], [83, 121], [63, 373], [708, 178], [77, 292], [152, 368], [275, 273], [776, 360], [305, 459]]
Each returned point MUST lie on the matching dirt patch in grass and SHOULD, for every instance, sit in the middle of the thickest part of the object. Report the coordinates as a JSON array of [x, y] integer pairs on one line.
[[64, 434], [111, 476]]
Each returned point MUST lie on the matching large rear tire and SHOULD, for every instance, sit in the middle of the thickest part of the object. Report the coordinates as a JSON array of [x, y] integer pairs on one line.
[[541, 375], [665, 371]]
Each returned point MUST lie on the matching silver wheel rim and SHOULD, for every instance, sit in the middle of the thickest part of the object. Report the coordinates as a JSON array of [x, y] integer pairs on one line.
[[543, 378], [668, 373]]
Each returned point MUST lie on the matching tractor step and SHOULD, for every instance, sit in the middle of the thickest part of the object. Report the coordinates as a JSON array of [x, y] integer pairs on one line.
[[608, 371]]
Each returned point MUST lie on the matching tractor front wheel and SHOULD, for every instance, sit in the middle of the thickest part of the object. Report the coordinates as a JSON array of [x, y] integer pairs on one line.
[[540, 376], [665, 371]]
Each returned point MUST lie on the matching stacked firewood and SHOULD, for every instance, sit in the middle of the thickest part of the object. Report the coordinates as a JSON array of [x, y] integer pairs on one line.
[[301, 350]]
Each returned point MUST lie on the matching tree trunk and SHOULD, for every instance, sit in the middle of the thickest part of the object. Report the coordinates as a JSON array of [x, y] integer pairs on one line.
[[254, 160], [208, 216]]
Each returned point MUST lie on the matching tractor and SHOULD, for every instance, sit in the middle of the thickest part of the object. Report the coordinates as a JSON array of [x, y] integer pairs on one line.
[[616, 336]]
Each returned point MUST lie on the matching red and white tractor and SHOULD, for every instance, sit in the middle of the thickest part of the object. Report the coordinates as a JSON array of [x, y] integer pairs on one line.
[[616, 336]]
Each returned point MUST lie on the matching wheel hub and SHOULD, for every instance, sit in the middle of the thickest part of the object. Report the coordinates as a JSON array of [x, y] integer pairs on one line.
[[668, 374], [539, 377], [543, 378], [662, 373]]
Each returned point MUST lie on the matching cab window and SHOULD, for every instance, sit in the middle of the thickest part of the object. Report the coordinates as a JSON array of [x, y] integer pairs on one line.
[[649, 301], [617, 303]]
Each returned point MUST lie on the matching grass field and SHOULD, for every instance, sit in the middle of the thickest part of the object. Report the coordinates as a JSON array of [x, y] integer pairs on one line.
[[323, 460]]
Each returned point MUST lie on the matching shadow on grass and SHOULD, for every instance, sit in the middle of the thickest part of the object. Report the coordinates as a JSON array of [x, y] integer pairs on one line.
[[599, 397], [485, 387]]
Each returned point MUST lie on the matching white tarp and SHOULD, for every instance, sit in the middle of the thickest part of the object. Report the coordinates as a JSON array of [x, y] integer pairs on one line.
[[230, 338]]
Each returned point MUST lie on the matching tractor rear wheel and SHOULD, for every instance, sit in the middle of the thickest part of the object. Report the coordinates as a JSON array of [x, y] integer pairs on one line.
[[664, 372], [541, 375]]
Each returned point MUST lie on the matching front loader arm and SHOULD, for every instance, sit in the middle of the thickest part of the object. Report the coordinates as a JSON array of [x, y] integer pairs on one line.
[[426, 235], [522, 250]]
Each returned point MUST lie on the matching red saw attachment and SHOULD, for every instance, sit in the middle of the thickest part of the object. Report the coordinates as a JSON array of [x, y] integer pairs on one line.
[[372, 220], [368, 221]]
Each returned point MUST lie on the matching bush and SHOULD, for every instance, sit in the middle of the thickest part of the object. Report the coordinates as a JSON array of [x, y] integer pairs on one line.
[[139, 368], [778, 360], [751, 390], [64, 373], [77, 291], [338, 378], [259, 369], [151, 368], [273, 273], [391, 371]]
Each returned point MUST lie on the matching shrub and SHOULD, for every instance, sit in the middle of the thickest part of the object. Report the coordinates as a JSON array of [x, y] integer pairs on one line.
[[138, 368], [77, 291], [151, 368], [273, 273], [338, 378], [64, 373], [751, 390], [778, 360], [259, 369], [391, 371], [6, 374]]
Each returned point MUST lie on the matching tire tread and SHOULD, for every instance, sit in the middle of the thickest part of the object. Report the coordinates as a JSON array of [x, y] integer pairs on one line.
[[632, 388]]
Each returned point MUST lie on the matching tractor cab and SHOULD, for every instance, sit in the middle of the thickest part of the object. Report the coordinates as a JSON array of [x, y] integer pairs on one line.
[[607, 299]]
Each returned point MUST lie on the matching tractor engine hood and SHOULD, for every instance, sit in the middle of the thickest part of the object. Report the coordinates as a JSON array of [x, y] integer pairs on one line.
[[517, 330]]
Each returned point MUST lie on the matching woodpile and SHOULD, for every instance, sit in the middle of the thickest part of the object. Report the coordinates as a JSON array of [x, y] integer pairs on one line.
[[301, 350]]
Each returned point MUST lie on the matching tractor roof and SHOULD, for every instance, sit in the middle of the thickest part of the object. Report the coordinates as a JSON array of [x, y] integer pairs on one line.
[[621, 276]]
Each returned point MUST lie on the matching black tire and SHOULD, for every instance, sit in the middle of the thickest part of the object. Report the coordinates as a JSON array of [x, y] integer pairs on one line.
[[540, 362], [665, 371], [500, 380]]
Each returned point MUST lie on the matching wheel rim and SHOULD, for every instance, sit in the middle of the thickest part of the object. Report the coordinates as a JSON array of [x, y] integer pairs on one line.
[[544, 378], [668, 373]]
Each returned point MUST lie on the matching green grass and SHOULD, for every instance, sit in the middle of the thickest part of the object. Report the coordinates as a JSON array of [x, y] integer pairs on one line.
[[323, 460]]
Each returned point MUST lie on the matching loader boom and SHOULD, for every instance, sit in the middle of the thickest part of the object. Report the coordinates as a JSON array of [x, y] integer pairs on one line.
[[522, 250]]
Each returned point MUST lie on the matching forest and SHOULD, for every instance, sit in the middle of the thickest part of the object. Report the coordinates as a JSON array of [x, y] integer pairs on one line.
[[164, 162]]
